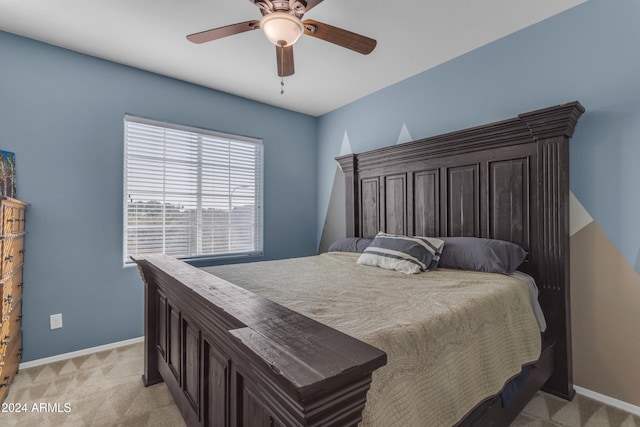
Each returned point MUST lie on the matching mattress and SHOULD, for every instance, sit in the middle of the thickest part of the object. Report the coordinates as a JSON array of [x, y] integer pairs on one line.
[[452, 337]]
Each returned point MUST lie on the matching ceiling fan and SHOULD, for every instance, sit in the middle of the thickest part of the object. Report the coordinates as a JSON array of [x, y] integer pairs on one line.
[[282, 24]]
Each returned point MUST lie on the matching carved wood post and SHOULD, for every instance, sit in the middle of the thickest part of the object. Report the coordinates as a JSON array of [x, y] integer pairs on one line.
[[552, 128], [151, 374], [348, 164]]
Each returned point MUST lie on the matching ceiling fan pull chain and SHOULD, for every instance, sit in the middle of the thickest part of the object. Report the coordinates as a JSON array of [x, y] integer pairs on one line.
[[281, 47]]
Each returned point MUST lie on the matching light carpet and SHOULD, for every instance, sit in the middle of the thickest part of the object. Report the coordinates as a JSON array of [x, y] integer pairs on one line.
[[105, 389]]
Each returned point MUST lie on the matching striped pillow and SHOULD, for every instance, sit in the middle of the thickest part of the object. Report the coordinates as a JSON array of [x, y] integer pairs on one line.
[[405, 254]]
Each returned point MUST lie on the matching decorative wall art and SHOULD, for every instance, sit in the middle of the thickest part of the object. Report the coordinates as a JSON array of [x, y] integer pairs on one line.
[[7, 174]]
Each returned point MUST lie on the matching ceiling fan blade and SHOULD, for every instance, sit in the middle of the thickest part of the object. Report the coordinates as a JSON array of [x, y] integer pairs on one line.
[[311, 4], [218, 33], [284, 57], [335, 35]]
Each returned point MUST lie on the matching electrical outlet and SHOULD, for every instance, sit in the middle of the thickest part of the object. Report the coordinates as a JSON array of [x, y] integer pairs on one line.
[[55, 321]]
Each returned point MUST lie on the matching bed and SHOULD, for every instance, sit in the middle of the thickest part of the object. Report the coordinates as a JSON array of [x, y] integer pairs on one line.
[[230, 356], [439, 328]]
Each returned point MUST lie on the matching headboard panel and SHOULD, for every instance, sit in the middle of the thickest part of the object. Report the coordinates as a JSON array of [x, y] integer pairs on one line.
[[507, 180]]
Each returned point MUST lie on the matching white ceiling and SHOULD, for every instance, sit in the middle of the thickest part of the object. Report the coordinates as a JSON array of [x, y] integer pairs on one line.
[[412, 35]]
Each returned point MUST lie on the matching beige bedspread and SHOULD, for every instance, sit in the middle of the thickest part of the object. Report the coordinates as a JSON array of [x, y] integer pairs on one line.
[[452, 338]]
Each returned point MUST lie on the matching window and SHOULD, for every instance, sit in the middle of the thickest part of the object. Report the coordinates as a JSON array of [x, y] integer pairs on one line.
[[190, 192]]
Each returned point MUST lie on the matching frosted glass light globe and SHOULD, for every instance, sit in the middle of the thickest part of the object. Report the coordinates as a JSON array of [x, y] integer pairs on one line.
[[281, 28]]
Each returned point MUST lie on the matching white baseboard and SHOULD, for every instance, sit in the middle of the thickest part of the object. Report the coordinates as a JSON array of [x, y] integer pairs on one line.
[[608, 400], [84, 352]]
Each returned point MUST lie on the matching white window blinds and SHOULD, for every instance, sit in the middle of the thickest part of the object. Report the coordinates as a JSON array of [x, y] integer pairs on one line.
[[190, 192]]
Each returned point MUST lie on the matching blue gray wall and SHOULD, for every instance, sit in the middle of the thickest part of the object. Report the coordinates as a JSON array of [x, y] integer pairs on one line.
[[62, 114], [589, 53]]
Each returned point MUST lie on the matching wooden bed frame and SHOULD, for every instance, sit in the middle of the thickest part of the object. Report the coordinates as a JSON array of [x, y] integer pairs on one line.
[[231, 358]]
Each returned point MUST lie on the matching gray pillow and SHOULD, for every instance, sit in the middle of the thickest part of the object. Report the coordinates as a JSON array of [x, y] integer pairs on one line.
[[477, 254], [408, 255], [350, 244]]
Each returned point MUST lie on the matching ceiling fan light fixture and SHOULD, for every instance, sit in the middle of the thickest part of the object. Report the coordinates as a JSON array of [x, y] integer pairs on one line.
[[281, 28]]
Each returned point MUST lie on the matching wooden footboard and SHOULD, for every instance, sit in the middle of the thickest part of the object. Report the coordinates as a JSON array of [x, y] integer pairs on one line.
[[232, 358]]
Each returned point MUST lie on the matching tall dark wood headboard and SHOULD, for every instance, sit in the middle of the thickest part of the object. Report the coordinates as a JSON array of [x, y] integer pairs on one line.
[[507, 180]]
